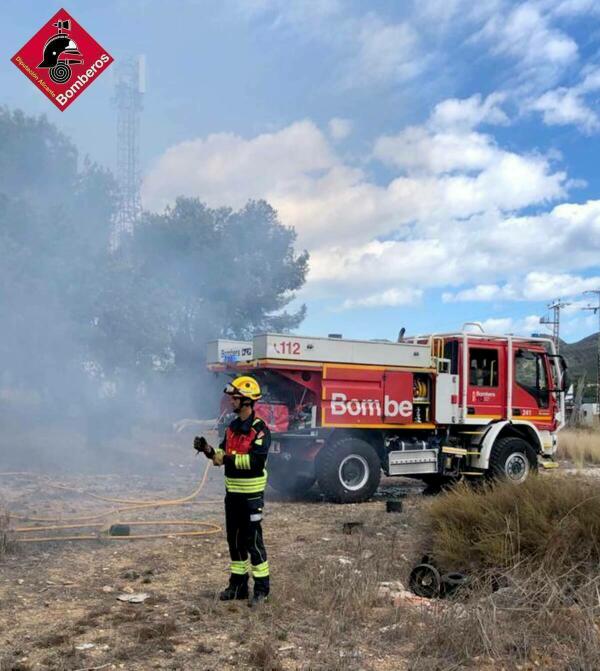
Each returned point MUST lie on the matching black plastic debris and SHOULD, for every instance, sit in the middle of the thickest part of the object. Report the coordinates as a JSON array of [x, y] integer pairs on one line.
[[394, 506], [119, 530]]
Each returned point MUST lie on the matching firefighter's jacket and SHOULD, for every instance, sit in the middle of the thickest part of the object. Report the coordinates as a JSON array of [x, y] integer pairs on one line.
[[246, 445]]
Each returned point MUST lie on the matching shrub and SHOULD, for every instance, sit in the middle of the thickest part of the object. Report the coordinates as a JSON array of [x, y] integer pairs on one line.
[[547, 522]]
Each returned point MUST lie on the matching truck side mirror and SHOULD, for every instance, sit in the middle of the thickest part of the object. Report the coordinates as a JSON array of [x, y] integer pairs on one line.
[[564, 373]]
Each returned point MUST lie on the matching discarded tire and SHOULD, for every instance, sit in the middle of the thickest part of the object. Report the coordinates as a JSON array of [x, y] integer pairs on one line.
[[451, 582], [425, 581]]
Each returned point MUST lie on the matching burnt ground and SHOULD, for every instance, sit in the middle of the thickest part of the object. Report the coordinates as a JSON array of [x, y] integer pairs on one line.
[[59, 597]]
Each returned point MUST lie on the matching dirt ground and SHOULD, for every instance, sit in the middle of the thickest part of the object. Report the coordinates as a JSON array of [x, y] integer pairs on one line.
[[58, 601], [59, 606]]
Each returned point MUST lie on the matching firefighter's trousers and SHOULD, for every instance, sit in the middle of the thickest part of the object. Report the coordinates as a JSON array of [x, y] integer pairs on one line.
[[243, 515]]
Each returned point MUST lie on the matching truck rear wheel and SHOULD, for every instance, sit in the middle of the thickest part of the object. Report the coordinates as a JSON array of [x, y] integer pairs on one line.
[[512, 459], [348, 470]]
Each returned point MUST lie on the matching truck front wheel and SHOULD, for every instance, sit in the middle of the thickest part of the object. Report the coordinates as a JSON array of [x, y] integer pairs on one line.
[[512, 459], [348, 470]]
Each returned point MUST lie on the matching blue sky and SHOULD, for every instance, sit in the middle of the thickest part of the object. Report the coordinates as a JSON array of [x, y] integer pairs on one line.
[[437, 158]]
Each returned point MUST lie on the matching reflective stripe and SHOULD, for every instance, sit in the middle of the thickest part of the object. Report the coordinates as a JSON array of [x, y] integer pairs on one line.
[[258, 441], [240, 567], [246, 485], [256, 421], [218, 450], [242, 461], [261, 570]]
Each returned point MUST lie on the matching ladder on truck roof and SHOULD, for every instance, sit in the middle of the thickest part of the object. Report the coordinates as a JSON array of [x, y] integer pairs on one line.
[[510, 340], [276, 347]]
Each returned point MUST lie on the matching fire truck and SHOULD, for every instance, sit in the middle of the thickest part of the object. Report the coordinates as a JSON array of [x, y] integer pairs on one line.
[[438, 407]]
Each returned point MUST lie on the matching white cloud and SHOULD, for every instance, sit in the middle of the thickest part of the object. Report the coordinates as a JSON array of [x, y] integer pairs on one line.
[[564, 106], [339, 129], [481, 250], [389, 297], [416, 149], [525, 33], [503, 325], [447, 141], [535, 286], [227, 169], [446, 14], [297, 170], [575, 7], [451, 219], [371, 50], [385, 52], [469, 112]]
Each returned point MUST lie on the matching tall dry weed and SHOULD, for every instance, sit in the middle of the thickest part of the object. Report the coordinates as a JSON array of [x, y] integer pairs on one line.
[[548, 522], [4, 543], [581, 446]]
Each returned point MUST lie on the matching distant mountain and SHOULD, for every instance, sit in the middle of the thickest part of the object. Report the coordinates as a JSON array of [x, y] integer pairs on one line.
[[581, 357]]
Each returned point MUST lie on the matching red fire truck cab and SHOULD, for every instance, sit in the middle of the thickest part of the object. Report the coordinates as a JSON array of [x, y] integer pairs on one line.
[[435, 407]]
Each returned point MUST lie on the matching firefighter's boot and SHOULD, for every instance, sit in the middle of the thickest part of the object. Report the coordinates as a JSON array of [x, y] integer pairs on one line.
[[237, 589], [257, 599], [261, 591]]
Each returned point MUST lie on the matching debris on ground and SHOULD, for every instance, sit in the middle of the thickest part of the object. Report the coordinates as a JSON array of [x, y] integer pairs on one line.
[[139, 597], [395, 593]]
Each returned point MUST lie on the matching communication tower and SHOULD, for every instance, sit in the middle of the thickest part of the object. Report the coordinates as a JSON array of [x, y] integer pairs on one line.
[[130, 86]]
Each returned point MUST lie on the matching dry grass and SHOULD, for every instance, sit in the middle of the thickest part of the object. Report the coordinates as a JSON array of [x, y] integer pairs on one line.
[[581, 446], [539, 622], [549, 522], [541, 541]]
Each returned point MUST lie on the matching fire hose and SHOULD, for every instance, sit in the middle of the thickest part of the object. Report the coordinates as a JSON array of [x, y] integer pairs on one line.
[[48, 524]]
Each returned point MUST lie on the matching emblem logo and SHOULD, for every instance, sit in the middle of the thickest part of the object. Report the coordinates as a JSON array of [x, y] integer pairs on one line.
[[62, 59]]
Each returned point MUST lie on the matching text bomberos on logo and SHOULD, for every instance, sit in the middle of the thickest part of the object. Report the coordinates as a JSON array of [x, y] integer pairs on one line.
[[62, 59]]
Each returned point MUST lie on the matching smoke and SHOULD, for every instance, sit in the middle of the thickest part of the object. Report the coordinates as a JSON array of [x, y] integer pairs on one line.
[[99, 349]]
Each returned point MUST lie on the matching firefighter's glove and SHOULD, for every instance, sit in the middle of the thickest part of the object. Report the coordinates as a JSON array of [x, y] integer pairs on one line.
[[218, 458], [200, 445]]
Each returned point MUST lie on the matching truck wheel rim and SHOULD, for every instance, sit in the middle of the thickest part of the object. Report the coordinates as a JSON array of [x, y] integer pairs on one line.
[[517, 467], [354, 472]]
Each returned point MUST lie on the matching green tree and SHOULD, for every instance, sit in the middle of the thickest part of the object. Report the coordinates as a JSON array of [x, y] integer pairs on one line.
[[189, 275], [54, 224], [139, 317]]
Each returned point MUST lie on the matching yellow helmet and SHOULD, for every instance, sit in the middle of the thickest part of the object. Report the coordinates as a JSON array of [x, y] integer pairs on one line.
[[245, 386]]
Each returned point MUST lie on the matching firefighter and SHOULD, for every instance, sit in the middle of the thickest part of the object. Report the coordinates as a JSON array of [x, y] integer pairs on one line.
[[243, 453]]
